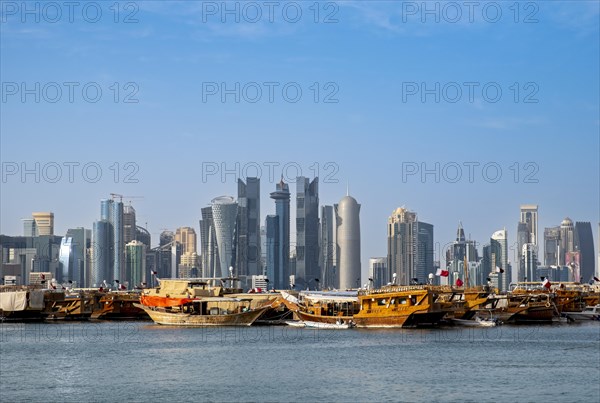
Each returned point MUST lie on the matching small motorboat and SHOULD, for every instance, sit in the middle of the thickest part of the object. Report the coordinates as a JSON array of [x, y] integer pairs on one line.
[[477, 322]]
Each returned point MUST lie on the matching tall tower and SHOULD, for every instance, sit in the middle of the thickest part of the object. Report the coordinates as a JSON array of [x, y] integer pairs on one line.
[[248, 235], [281, 195], [348, 242], [499, 258], [224, 210], [272, 249], [585, 245], [186, 236], [328, 249], [112, 212], [135, 252], [529, 216], [101, 253], [44, 223], [129, 225], [307, 231], [567, 240], [211, 265]]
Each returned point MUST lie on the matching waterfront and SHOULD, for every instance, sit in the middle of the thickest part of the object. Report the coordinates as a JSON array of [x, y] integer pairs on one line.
[[140, 361]]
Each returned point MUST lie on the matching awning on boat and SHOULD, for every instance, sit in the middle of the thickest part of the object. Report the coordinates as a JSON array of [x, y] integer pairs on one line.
[[150, 300], [13, 301]]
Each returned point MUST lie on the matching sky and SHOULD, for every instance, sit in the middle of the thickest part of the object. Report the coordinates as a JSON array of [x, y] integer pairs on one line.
[[461, 113]]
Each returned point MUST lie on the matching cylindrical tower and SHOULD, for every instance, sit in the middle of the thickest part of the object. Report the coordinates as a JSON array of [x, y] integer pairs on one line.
[[348, 242], [224, 210]]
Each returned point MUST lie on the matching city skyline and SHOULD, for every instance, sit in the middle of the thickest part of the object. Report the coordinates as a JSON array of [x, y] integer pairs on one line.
[[472, 160]]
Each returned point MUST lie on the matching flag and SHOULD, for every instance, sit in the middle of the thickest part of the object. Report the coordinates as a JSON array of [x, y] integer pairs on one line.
[[442, 273], [499, 269], [100, 289], [459, 282], [43, 276], [546, 283], [122, 287], [596, 279], [154, 272]]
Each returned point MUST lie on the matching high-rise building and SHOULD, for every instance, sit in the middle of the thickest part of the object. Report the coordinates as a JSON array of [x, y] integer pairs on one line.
[[585, 245], [209, 252], [523, 238], [499, 259], [461, 251], [44, 223], [378, 271], [529, 262], [410, 247], [529, 216], [186, 236], [189, 266], [74, 261], [328, 250], [224, 210], [273, 262], [112, 212], [129, 225], [142, 235], [135, 252], [307, 231], [567, 240], [29, 228], [551, 246], [348, 242], [101, 251], [281, 195], [248, 228]]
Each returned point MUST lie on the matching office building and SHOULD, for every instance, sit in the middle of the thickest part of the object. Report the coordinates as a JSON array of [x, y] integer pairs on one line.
[[281, 195], [224, 211], [348, 242], [307, 231], [44, 223], [248, 228], [328, 249]]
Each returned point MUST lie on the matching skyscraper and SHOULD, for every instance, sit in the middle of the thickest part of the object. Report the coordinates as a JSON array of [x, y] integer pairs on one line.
[[378, 271], [224, 210], [248, 228], [585, 245], [281, 195], [112, 212], [209, 251], [410, 247], [44, 223], [551, 246], [460, 251], [529, 216], [499, 258], [529, 265], [348, 242], [523, 238], [307, 231], [328, 250], [129, 225], [567, 240], [78, 270], [135, 252], [186, 236], [274, 269], [29, 228], [101, 253]]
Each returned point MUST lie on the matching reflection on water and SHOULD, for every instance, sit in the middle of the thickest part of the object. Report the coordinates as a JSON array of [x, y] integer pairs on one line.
[[144, 362]]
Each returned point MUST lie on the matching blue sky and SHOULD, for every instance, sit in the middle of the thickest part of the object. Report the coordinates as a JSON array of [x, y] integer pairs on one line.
[[371, 58]]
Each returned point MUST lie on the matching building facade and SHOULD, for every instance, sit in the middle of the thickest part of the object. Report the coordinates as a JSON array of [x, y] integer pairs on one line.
[[348, 242], [307, 231], [281, 195], [248, 249], [224, 211]]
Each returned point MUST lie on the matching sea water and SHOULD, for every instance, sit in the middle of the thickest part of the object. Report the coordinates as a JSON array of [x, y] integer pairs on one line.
[[141, 361]]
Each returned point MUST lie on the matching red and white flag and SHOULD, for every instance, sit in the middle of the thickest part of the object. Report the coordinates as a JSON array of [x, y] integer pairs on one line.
[[546, 283], [459, 282], [499, 269], [442, 273]]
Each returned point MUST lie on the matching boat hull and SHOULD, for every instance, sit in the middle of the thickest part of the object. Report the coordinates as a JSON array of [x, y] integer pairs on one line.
[[184, 319]]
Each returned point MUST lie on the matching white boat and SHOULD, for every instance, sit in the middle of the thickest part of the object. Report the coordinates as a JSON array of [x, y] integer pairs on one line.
[[477, 322], [588, 313], [320, 325]]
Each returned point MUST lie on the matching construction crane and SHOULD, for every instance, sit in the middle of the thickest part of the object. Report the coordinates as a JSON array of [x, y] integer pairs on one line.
[[116, 195]]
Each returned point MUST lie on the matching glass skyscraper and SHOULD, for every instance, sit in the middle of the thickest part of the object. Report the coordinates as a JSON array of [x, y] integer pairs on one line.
[[307, 231], [281, 195], [224, 211]]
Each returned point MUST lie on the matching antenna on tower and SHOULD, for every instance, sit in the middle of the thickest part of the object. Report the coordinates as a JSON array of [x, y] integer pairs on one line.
[[347, 189]]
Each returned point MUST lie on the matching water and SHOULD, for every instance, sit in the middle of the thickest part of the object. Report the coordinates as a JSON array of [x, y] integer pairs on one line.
[[140, 361]]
